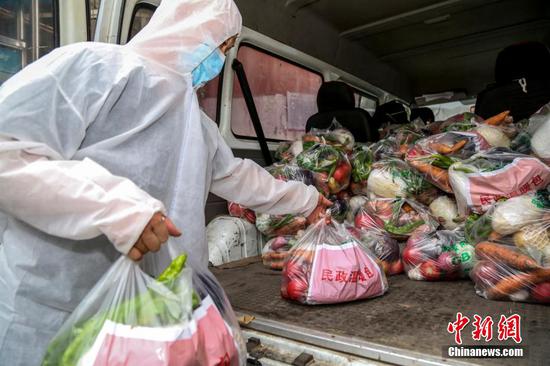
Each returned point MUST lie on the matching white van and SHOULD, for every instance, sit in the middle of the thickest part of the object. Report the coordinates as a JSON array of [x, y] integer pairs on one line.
[[438, 53]]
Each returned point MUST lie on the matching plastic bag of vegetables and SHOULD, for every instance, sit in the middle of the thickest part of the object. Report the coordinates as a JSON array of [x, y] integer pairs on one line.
[[129, 318], [434, 155], [437, 255], [539, 129], [335, 136], [393, 178], [398, 217], [384, 247], [328, 265], [277, 225], [331, 165], [361, 161], [490, 176], [502, 272], [287, 172], [276, 251], [522, 221], [237, 210], [444, 209]]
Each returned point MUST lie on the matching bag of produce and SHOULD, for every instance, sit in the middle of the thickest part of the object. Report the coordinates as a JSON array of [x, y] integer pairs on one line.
[[502, 272], [335, 136], [280, 225], [361, 162], [384, 247], [398, 217], [331, 165], [287, 151], [437, 255], [276, 251], [434, 155], [237, 210], [523, 221], [490, 176], [182, 317], [392, 178], [328, 265], [539, 129], [445, 210]]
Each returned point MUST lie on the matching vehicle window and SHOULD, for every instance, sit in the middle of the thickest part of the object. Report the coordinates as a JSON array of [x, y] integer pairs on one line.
[[92, 8], [26, 33], [443, 111], [208, 94], [365, 102], [142, 15], [284, 93]]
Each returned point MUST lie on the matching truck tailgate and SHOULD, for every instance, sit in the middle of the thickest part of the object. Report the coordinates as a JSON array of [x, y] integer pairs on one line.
[[410, 319]]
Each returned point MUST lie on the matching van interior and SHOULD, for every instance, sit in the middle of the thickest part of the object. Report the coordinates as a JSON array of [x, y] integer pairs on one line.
[[439, 54]]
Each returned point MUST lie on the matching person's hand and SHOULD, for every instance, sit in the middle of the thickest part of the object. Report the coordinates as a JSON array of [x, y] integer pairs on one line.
[[153, 236], [320, 210]]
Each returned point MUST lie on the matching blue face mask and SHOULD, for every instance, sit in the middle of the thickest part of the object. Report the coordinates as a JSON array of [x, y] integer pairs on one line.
[[208, 69]]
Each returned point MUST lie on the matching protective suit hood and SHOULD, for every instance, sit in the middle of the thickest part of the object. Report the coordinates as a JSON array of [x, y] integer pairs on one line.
[[182, 33]]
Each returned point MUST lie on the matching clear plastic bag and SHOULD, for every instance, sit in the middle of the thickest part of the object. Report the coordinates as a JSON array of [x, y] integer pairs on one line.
[[391, 178], [384, 247], [328, 265], [523, 221], [130, 318], [276, 251], [331, 165], [432, 156], [335, 136], [398, 217], [361, 161], [437, 255], [502, 272], [280, 225], [489, 176], [445, 210], [539, 130], [288, 172], [237, 210]]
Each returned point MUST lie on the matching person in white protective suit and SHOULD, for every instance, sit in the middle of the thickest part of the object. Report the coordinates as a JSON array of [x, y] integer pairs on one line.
[[104, 151]]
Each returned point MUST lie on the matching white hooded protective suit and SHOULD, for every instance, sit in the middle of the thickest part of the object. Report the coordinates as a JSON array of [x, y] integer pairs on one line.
[[96, 138]]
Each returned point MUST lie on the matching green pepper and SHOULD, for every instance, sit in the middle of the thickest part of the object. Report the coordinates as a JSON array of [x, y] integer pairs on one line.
[[402, 230]]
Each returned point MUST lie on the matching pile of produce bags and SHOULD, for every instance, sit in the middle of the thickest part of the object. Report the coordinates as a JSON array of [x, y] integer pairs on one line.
[[426, 189]]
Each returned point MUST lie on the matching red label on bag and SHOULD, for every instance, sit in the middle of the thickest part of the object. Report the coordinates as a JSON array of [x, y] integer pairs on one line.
[[521, 176], [205, 340], [343, 273]]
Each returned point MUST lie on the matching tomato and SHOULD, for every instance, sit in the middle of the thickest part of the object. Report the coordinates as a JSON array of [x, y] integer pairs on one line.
[[412, 256], [541, 292], [296, 289], [341, 174], [430, 271], [364, 221], [397, 267]]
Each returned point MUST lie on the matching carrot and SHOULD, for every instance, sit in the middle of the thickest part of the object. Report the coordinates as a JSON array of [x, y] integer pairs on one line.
[[446, 149], [277, 265], [498, 119], [511, 284], [277, 255], [403, 149], [512, 258], [441, 176]]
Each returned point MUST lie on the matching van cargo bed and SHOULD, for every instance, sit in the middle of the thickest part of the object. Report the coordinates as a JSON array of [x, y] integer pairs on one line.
[[411, 318]]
